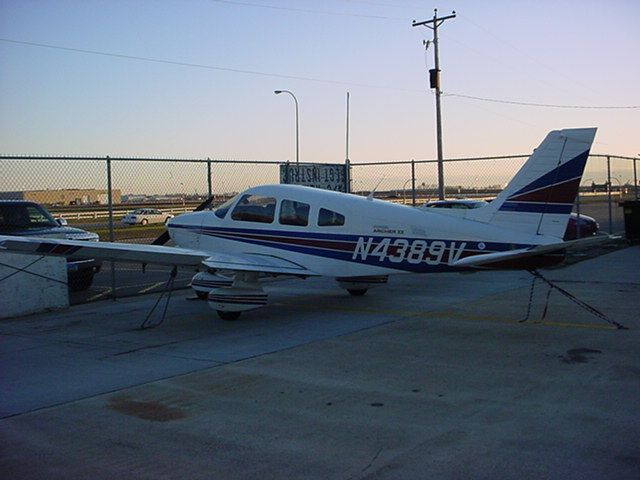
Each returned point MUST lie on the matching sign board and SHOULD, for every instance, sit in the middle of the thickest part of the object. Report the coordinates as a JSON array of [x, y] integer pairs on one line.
[[329, 176]]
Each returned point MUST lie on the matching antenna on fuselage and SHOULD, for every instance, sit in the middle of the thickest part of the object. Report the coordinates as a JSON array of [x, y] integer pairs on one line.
[[370, 196]]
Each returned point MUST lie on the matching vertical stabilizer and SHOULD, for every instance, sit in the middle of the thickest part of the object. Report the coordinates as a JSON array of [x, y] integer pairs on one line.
[[539, 199]]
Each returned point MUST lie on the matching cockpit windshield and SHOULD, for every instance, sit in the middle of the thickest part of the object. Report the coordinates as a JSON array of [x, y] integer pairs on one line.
[[222, 210]]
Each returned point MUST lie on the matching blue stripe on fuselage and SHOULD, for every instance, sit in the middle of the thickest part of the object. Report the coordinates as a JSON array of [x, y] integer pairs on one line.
[[285, 240]]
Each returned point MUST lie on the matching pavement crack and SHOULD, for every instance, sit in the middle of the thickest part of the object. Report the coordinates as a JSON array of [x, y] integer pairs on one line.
[[375, 457], [146, 347]]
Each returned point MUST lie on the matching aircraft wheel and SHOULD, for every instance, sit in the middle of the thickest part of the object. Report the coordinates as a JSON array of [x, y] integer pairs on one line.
[[357, 292], [229, 316]]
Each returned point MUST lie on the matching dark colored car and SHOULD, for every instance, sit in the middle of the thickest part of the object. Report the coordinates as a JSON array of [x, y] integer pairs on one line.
[[588, 225], [29, 219]]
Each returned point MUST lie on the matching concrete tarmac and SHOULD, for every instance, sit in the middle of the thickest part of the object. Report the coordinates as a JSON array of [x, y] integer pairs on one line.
[[428, 377]]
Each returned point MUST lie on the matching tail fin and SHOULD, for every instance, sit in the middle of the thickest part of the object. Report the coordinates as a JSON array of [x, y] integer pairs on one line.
[[539, 199]]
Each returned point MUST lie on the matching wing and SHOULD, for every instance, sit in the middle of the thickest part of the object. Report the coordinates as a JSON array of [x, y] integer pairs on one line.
[[253, 262], [122, 252], [153, 254], [489, 258]]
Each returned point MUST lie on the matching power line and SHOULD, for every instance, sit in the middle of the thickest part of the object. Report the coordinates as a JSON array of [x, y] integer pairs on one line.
[[204, 66], [296, 77], [303, 10], [545, 105], [524, 53]]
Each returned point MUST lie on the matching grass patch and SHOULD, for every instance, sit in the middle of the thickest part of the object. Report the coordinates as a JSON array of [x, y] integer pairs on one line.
[[130, 233]]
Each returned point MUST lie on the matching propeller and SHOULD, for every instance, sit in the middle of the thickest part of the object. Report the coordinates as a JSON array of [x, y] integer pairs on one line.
[[164, 236]]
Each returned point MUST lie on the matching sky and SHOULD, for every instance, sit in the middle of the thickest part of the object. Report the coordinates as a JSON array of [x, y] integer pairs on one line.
[[210, 94]]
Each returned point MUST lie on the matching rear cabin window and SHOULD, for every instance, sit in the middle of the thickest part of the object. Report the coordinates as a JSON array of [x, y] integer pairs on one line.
[[329, 218], [255, 208], [294, 213]]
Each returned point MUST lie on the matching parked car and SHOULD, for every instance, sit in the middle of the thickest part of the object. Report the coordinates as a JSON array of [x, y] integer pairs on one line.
[[29, 219], [588, 225], [144, 216], [461, 204]]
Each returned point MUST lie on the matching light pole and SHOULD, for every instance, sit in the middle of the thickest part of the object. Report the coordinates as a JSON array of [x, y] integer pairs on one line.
[[404, 191], [278, 92]]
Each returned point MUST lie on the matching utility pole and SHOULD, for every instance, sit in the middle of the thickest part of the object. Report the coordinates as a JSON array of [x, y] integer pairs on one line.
[[347, 139], [434, 81]]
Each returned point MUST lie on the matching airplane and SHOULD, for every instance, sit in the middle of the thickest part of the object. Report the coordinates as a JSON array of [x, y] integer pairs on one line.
[[275, 231]]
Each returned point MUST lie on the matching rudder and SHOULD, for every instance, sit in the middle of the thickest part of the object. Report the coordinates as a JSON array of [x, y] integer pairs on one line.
[[540, 197]]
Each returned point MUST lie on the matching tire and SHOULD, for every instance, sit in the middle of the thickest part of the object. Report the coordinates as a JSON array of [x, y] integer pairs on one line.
[[357, 292], [202, 295], [228, 316], [80, 281], [144, 221]]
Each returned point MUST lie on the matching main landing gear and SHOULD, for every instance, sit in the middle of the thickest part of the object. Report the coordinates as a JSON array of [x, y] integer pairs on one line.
[[245, 293], [358, 286]]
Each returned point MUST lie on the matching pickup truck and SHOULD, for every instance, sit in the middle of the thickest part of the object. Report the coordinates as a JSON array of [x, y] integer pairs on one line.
[[23, 218]]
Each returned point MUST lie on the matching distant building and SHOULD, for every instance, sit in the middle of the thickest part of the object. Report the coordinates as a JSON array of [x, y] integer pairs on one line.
[[64, 197]]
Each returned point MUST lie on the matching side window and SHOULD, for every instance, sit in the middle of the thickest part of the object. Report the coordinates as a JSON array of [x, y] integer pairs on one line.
[[294, 213], [255, 208], [36, 217], [328, 218]]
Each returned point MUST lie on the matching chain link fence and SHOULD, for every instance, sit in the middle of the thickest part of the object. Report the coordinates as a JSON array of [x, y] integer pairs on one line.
[[95, 193]]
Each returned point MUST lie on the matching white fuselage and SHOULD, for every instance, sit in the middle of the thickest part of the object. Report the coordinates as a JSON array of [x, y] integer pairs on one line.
[[377, 237]]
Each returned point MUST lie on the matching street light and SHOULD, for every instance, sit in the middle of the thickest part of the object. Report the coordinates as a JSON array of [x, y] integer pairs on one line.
[[278, 92], [404, 192]]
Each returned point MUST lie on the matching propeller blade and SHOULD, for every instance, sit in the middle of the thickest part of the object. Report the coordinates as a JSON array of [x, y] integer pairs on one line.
[[164, 236], [204, 204], [162, 239]]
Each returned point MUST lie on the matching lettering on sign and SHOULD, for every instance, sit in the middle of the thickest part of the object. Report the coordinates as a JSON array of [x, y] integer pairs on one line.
[[327, 176]]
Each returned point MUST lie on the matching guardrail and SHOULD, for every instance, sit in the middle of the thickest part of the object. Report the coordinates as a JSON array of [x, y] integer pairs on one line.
[[88, 215]]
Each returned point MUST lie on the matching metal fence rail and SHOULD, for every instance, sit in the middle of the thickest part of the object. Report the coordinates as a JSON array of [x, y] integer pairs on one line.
[[104, 187]]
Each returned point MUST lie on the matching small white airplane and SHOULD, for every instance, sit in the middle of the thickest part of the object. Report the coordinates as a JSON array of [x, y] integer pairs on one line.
[[293, 231]]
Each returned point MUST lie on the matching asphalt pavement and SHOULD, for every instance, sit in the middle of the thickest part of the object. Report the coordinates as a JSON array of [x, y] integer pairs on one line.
[[442, 376]]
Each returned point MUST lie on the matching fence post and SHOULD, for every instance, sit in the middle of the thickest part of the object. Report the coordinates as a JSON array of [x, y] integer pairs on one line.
[[347, 175], [635, 179], [209, 177], [578, 213], [609, 193], [413, 182], [111, 232]]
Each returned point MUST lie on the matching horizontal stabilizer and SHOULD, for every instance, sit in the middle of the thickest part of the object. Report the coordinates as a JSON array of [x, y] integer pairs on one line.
[[486, 260]]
